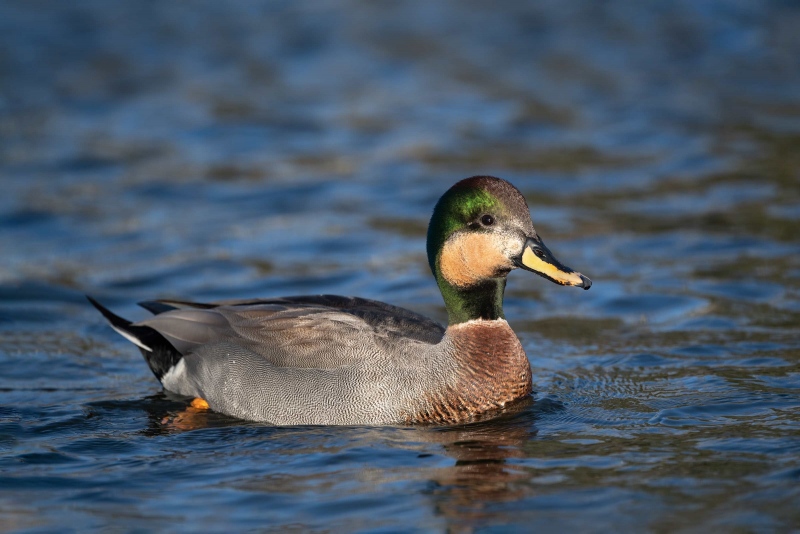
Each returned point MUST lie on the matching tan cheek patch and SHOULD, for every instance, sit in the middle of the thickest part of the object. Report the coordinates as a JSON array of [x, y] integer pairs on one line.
[[469, 258]]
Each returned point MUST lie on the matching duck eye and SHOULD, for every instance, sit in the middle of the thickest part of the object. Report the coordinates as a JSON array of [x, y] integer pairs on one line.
[[487, 220]]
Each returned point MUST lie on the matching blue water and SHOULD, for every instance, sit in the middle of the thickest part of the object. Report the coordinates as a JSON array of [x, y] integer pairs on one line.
[[212, 150]]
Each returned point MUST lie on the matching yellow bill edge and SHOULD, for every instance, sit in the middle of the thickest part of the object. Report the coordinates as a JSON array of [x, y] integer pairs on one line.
[[552, 269]]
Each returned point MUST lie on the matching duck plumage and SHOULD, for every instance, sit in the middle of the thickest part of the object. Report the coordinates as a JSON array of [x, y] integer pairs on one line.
[[345, 360]]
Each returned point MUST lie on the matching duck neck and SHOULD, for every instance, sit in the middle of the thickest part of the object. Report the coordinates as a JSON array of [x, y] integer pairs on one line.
[[480, 301]]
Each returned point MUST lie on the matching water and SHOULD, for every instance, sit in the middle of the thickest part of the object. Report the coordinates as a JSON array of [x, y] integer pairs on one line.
[[206, 150]]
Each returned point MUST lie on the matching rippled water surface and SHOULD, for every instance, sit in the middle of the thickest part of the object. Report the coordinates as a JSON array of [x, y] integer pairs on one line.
[[212, 150]]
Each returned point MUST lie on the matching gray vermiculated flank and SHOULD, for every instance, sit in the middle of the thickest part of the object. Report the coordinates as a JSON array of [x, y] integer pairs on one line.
[[306, 360]]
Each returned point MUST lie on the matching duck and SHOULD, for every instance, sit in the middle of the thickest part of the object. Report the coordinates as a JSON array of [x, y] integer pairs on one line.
[[335, 360]]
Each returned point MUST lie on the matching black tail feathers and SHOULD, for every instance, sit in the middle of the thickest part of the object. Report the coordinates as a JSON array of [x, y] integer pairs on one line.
[[159, 353], [112, 318]]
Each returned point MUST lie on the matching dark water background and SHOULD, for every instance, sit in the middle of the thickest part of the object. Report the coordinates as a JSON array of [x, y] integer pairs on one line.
[[217, 150]]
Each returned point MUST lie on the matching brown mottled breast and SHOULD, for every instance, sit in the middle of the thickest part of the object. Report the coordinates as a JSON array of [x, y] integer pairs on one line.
[[491, 371]]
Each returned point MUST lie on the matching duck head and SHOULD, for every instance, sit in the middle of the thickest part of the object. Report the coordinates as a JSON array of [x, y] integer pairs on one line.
[[481, 230]]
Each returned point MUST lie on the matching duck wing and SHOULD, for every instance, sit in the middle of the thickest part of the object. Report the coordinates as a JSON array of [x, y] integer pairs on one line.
[[322, 331]]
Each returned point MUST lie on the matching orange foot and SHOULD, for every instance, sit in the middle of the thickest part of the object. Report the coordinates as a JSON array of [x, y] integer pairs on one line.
[[199, 403], [193, 417]]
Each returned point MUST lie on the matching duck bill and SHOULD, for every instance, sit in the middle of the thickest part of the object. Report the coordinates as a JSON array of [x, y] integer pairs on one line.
[[537, 258]]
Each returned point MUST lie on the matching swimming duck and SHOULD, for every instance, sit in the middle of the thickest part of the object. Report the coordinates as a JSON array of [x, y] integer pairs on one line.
[[324, 360]]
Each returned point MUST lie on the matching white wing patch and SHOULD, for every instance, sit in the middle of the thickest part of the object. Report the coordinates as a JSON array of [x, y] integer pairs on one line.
[[130, 337]]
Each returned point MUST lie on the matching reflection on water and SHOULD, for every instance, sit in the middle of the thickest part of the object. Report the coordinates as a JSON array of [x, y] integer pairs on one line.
[[216, 151]]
